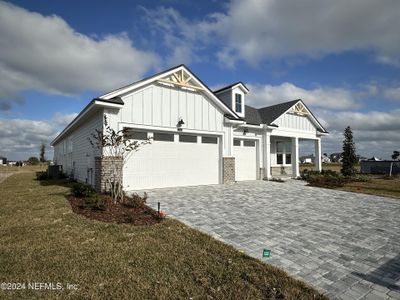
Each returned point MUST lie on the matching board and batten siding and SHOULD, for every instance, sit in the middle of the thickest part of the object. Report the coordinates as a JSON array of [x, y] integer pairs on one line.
[[75, 153], [163, 106], [296, 122]]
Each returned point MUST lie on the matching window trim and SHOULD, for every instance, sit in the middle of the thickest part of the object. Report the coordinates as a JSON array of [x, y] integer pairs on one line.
[[238, 97]]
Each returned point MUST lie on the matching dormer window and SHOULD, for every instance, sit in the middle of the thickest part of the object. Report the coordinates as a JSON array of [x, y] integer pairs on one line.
[[238, 103]]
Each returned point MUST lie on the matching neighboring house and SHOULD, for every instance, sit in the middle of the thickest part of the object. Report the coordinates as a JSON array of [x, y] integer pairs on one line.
[[374, 158], [336, 157], [198, 136], [309, 159], [325, 159], [3, 161]]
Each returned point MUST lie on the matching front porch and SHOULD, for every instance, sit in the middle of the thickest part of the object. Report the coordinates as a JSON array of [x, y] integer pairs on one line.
[[282, 155]]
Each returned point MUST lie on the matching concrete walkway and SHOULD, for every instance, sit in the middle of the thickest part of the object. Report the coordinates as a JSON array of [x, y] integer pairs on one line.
[[344, 244]]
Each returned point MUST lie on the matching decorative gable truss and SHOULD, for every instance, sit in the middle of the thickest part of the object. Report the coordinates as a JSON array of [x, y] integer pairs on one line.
[[299, 109], [181, 79]]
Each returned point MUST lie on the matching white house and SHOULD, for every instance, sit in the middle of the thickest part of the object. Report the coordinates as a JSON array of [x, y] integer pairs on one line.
[[198, 136]]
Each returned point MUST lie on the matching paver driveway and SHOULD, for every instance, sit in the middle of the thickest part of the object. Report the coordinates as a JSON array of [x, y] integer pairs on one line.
[[344, 244]]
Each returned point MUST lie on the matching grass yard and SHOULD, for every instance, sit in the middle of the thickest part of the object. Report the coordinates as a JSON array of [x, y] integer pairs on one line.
[[375, 186], [43, 241], [378, 185]]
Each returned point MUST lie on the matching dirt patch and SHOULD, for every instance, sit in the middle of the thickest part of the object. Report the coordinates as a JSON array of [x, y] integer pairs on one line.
[[116, 213]]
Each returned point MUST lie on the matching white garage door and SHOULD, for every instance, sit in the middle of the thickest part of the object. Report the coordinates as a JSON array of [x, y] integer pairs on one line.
[[173, 160], [245, 152]]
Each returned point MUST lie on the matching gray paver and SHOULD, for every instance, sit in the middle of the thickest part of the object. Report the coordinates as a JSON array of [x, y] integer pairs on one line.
[[345, 244]]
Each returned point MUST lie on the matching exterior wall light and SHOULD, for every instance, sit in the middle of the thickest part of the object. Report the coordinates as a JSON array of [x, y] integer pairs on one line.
[[180, 123], [246, 130]]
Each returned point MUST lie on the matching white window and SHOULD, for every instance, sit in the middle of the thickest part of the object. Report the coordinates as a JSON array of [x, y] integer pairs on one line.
[[283, 153]]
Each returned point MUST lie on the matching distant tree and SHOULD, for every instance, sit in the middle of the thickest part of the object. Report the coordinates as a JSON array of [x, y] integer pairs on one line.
[[395, 155], [33, 160], [42, 152], [349, 153]]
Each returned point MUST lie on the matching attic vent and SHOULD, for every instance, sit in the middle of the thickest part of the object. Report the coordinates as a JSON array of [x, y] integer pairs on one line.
[[299, 109]]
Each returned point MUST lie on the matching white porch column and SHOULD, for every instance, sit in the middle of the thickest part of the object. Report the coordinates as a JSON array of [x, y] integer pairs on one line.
[[318, 163], [267, 155], [295, 157]]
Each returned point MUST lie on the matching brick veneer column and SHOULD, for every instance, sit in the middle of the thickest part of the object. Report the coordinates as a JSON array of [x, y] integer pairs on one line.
[[104, 170], [228, 169]]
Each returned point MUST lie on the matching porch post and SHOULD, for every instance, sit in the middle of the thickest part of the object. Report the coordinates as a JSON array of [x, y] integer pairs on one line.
[[318, 163], [295, 157], [267, 155]]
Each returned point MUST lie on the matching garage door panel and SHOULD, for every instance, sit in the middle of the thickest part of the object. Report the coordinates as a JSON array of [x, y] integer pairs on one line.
[[168, 164]]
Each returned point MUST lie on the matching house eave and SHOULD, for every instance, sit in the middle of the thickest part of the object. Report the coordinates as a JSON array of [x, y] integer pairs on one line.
[[94, 104]]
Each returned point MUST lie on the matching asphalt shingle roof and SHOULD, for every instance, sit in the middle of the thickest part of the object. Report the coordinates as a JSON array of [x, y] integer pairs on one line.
[[266, 115]]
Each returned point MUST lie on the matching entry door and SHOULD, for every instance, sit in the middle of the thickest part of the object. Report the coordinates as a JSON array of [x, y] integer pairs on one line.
[[245, 152]]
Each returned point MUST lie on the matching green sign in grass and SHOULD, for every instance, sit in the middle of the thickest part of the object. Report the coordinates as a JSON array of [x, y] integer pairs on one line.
[[266, 253]]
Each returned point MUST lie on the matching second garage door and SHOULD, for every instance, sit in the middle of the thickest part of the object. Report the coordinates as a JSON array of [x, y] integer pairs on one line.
[[173, 160], [245, 152]]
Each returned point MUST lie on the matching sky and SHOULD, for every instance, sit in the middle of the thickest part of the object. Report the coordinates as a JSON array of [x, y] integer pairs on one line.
[[342, 58]]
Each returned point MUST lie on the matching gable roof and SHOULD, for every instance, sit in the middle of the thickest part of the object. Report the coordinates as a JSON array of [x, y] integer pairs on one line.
[[270, 113], [140, 83], [231, 86], [267, 115]]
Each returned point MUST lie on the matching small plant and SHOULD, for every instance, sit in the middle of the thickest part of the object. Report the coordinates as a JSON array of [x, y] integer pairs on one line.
[[130, 218], [94, 202], [42, 175], [82, 190], [162, 214]]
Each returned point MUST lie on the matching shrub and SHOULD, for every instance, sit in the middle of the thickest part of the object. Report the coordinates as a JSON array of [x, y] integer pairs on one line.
[[94, 202], [43, 175], [135, 200], [82, 190], [325, 178]]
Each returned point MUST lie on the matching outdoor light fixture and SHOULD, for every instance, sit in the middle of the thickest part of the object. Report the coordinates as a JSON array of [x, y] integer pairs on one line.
[[246, 130], [180, 123]]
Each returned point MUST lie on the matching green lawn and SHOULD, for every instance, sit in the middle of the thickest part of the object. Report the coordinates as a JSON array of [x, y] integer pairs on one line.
[[43, 241], [377, 185]]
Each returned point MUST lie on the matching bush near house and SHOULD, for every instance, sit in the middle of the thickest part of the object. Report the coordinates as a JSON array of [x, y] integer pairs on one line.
[[329, 178]]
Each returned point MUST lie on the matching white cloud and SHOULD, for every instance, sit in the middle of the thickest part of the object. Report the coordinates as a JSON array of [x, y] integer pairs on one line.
[[255, 30], [376, 133], [393, 93], [21, 138], [44, 53], [63, 120], [327, 97]]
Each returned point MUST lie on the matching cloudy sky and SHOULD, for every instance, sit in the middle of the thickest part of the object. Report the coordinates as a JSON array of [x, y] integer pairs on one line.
[[341, 57]]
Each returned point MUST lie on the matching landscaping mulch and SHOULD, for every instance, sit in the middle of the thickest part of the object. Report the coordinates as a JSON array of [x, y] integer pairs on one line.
[[116, 213]]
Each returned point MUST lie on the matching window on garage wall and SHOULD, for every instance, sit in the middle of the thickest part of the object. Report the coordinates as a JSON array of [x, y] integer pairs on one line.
[[236, 142], [136, 135], [249, 143], [209, 140], [184, 138], [283, 153], [165, 137]]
